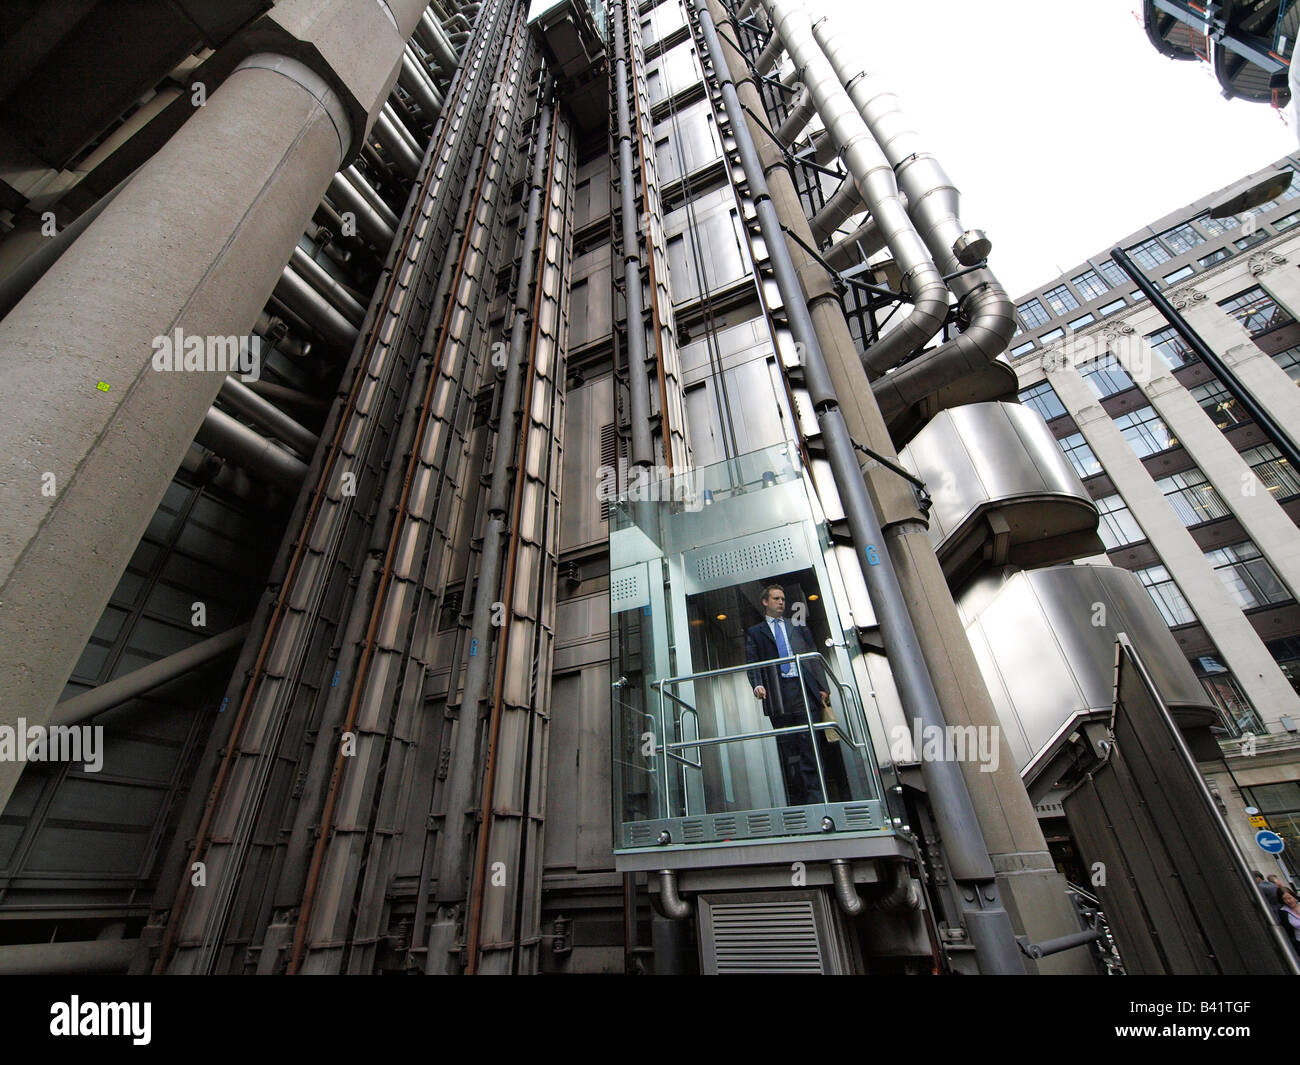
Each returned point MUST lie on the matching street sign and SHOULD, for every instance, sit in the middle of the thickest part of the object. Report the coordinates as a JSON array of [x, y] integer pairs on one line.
[[1269, 841], [1258, 821]]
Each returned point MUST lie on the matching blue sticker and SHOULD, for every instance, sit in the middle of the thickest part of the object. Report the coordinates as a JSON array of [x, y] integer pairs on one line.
[[473, 647], [873, 556], [335, 682], [222, 708]]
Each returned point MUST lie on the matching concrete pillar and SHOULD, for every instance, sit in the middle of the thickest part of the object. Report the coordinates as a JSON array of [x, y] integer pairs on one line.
[[1204, 591], [194, 242], [1033, 891], [1264, 378]]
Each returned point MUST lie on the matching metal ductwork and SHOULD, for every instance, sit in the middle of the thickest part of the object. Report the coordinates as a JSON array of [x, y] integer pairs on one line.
[[768, 57], [857, 247], [237, 442], [874, 178], [799, 117], [397, 142], [671, 902], [265, 414], [434, 39], [371, 223], [846, 892], [844, 202], [932, 202], [314, 308], [415, 80], [327, 285], [642, 443]]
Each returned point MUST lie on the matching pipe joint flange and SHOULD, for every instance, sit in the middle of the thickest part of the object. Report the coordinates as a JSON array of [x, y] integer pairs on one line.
[[972, 247]]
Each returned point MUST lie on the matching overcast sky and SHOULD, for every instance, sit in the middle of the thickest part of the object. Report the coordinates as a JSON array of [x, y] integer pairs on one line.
[[1064, 131]]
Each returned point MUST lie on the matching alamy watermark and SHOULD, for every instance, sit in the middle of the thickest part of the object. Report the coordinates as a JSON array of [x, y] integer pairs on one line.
[[947, 743], [650, 484], [212, 354], [53, 743]]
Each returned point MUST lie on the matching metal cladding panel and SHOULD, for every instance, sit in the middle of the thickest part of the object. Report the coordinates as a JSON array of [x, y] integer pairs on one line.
[[1178, 894], [978, 456], [1044, 639]]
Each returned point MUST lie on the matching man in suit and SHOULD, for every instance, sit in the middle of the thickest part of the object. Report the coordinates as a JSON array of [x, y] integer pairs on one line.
[[783, 700]]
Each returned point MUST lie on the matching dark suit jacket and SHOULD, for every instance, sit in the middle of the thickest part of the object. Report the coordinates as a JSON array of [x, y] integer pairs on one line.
[[760, 646]]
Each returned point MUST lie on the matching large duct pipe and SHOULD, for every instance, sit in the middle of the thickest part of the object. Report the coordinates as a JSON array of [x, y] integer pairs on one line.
[[82, 958], [314, 308], [846, 892], [328, 286], [768, 56], [268, 416], [987, 920], [933, 204], [845, 201], [857, 247], [235, 441], [415, 80], [397, 143], [874, 178], [134, 684], [370, 223], [435, 42], [798, 118], [642, 443]]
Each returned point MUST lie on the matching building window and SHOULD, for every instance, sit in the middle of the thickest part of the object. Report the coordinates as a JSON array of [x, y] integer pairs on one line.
[[1256, 310], [1032, 314], [1105, 376], [1150, 254], [1219, 226], [1043, 398], [1235, 708], [1111, 307], [1137, 295], [1286, 653], [1247, 575], [1218, 404], [1178, 275], [1254, 238], [1112, 273], [1090, 286], [1273, 471], [1286, 221], [1145, 432], [1173, 350], [1023, 349], [1216, 256], [1052, 334], [1166, 596], [1182, 238], [1289, 360], [1076, 449], [1061, 300], [1193, 498], [1118, 526], [1081, 321]]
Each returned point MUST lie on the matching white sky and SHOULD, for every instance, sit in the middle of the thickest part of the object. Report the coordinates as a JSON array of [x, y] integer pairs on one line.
[[1064, 132]]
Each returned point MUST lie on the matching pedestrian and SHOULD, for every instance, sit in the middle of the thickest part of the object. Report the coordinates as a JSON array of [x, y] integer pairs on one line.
[[1290, 910]]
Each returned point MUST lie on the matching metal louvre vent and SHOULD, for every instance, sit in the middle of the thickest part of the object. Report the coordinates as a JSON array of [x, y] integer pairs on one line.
[[779, 936], [768, 554]]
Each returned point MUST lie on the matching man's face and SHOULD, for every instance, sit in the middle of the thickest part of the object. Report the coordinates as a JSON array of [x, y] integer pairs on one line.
[[774, 603]]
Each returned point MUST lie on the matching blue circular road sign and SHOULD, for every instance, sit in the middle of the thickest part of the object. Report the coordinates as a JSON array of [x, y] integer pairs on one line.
[[1269, 841]]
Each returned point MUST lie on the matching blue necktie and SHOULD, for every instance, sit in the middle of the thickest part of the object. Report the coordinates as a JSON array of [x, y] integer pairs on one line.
[[783, 648]]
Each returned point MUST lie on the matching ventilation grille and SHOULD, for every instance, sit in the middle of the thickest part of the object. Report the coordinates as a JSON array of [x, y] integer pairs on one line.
[[859, 815], [613, 453], [764, 555], [765, 937]]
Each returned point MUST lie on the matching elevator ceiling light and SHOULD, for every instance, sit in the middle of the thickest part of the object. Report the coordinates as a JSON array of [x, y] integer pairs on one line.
[[722, 617]]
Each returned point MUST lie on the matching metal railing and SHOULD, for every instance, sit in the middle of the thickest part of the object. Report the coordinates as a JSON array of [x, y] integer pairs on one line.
[[677, 751]]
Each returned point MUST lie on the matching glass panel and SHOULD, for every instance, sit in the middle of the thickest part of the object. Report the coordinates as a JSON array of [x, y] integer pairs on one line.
[[693, 559]]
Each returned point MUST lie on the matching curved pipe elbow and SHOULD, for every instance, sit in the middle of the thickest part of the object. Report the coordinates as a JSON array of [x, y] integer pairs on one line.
[[991, 327], [673, 905], [846, 892], [929, 311]]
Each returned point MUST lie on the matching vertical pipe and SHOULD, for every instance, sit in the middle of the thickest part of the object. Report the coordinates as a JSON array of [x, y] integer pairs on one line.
[[987, 921], [642, 444]]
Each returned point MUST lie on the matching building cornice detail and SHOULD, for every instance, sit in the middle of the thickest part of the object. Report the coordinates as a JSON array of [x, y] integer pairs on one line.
[[1264, 261]]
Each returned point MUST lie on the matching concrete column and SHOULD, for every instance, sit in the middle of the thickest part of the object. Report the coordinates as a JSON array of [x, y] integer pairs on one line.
[[1034, 892], [1264, 378], [194, 242], [1264, 520], [1204, 591]]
